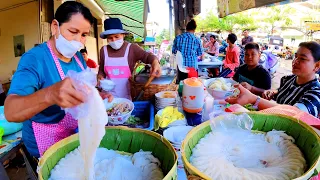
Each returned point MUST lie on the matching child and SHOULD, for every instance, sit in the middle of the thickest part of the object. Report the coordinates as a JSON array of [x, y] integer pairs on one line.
[[232, 57], [252, 75]]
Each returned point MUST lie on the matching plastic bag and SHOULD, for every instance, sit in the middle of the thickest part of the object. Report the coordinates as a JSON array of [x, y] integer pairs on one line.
[[243, 147], [92, 118], [85, 82]]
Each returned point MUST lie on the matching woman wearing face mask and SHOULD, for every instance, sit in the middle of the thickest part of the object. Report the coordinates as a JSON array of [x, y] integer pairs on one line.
[[118, 58], [39, 88]]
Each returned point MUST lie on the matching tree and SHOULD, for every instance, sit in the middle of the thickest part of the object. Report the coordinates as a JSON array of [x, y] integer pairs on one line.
[[278, 16], [229, 23], [164, 35]]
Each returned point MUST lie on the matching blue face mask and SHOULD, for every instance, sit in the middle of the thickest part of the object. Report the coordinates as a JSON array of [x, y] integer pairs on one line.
[[67, 48]]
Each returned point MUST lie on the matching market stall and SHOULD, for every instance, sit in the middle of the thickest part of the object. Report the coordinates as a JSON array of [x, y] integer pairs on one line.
[[157, 132]]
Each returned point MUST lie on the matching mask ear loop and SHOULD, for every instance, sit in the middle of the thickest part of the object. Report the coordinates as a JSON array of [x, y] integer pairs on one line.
[[58, 29]]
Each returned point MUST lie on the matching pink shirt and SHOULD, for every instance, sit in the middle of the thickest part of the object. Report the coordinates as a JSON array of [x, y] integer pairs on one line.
[[232, 59], [213, 48]]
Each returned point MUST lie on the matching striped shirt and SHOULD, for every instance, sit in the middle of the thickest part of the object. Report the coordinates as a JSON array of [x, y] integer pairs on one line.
[[306, 96], [190, 47]]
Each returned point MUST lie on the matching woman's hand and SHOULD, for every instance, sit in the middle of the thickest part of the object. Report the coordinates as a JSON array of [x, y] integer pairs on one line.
[[247, 86], [100, 77], [245, 96], [64, 94], [106, 95], [269, 94], [155, 69]]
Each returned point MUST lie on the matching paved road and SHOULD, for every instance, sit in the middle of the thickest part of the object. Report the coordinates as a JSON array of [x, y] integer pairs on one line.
[[285, 68]]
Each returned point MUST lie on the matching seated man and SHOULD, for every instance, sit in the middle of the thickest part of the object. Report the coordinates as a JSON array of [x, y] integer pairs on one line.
[[251, 75]]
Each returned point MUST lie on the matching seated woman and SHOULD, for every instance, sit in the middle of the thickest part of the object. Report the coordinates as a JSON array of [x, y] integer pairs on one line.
[[232, 60], [251, 75], [301, 89]]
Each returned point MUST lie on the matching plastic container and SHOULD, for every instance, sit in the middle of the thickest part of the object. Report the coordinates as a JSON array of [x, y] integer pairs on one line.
[[144, 110], [8, 127], [1, 134], [193, 119], [116, 120], [218, 94]]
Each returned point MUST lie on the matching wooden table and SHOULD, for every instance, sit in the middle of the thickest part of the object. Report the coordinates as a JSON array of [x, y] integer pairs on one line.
[[7, 156]]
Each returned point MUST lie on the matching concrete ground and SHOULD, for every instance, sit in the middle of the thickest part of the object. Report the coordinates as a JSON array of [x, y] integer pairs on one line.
[[17, 170], [284, 69]]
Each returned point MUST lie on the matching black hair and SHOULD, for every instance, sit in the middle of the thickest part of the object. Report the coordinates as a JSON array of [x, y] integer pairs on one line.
[[69, 8], [84, 51], [192, 25], [252, 45], [202, 35], [245, 30], [232, 38], [314, 47], [213, 36]]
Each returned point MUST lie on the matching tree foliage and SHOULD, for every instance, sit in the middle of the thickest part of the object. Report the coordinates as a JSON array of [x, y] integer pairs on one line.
[[278, 16], [239, 21], [164, 35]]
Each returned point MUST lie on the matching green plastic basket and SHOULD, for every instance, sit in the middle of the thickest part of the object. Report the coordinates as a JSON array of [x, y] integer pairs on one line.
[[118, 138], [305, 137]]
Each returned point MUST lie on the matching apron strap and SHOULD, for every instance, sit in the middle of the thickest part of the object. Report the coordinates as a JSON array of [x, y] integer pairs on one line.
[[127, 51], [58, 65]]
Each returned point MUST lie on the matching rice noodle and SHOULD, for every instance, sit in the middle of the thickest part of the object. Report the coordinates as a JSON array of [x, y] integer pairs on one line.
[[240, 154]]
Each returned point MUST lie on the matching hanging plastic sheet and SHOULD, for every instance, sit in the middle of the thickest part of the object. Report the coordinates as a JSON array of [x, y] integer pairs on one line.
[[227, 7]]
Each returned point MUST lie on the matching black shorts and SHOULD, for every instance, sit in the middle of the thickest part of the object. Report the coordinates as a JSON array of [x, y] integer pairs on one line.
[[181, 76]]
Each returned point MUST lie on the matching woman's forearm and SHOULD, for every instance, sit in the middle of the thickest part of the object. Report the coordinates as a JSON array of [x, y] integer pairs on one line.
[[265, 104], [257, 91], [21, 108]]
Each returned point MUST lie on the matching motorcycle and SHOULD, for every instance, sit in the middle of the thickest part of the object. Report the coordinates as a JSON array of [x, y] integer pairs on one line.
[[270, 62]]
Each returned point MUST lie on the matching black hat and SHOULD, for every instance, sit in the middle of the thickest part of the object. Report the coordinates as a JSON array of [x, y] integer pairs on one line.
[[112, 26]]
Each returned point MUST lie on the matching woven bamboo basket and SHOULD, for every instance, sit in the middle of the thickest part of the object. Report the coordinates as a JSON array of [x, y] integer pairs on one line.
[[121, 139], [305, 138], [152, 89]]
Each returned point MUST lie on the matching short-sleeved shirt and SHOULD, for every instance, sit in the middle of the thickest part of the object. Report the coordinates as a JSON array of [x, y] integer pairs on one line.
[[246, 40], [91, 64], [258, 77], [190, 47], [37, 70], [305, 96], [213, 48]]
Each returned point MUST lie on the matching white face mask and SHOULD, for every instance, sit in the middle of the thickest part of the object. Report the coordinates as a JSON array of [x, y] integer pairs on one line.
[[116, 44], [67, 48]]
